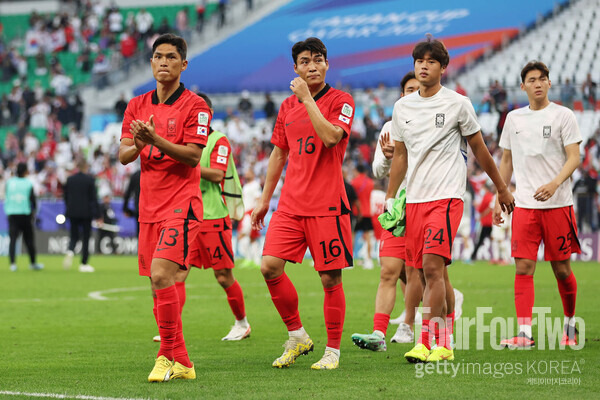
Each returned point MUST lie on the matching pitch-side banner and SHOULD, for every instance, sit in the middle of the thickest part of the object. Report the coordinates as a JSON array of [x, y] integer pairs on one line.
[[368, 41]]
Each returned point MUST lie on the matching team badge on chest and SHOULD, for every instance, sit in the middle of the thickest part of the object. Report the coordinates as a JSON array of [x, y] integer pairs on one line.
[[547, 131], [439, 120], [171, 125]]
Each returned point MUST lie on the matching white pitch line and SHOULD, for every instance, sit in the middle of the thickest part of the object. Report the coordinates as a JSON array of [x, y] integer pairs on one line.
[[99, 294], [64, 396]]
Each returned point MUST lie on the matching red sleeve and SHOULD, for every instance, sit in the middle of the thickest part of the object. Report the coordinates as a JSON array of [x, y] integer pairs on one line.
[[125, 134], [195, 129], [341, 112], [279, 139], [219, 158], [485, 202]]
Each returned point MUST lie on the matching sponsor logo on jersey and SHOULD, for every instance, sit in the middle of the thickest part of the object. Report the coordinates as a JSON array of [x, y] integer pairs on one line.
[[202, 118], [202, 130], [345, 120], [171, 125], [347, 110], [222, 160], [439, 120], [547, 131], [223, 150]]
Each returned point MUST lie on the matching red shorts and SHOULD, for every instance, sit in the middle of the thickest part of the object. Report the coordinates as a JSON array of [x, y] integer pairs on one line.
[[377, 229], [329, 239], [555, 226], [431, 228], [392, 246], [168, 239], [212, 250]]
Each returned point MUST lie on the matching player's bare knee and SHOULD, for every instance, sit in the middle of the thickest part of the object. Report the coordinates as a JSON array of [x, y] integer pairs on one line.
[[561, 269], [331, 278], [224, 277], [389, 276], [524, 266]]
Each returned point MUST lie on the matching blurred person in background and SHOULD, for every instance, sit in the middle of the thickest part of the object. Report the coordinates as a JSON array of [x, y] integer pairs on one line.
[[20, 207]]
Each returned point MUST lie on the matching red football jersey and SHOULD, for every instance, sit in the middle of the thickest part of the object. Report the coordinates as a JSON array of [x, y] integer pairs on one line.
[[168, 188], [363, 186], [314, 185]]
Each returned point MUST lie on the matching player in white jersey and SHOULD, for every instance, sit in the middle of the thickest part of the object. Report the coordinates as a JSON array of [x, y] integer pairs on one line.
[[541, 145], [391, 256], [248, 245], [431, 128]]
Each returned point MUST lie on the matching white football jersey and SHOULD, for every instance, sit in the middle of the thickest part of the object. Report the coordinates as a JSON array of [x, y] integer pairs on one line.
[[537, 140], [251, 193], [434, 130], [381, 165]]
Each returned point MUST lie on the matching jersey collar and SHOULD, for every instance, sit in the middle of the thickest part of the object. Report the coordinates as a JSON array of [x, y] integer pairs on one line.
[[321, 93], [174, 97]]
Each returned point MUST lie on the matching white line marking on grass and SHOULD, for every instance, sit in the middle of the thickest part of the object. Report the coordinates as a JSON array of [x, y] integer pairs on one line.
[[99, 294], [64, 396]]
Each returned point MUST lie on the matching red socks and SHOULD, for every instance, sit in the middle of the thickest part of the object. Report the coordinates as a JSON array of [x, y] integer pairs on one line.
[[334, 308], [568, 293], [524, 298], [235, 298], [450, 323], [425, 337], [167, 305], [381, 322], [180, 286], [285, 299]]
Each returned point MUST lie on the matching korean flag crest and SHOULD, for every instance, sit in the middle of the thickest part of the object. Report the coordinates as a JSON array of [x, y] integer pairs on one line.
[[547, 131], [439, 120]]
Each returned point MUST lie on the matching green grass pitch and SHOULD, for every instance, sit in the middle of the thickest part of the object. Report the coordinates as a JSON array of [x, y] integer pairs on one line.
[[57, 340]]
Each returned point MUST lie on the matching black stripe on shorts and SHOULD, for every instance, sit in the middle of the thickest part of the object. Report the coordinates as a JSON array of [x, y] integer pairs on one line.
[[347, 254], [225, 246], [449, 226]]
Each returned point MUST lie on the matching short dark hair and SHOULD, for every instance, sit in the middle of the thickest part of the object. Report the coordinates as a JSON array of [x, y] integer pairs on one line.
[[175, 40], [21, 169], [410, 75], [312, 44], [206, 99], [435, 48], [535, 65]]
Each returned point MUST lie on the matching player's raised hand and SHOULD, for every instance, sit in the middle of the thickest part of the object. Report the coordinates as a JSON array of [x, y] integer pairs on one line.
[[497, 216], [387, 145], [134, 128], [258, 216], [300, 88], [546, 191], [506, 200]]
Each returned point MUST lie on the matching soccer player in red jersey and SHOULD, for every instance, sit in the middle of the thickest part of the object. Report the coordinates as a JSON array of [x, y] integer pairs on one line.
[[541, 144], [213, 247], [431, 128], [167, 128], [311, 135]]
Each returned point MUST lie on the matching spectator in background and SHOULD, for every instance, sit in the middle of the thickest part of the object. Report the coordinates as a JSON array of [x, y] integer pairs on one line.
[[81, 204], [120, 107], [503, 113], [269, 108], [588, 90], [567, 94], [100, 71], [249, 5], [144, 22], [245, 108], [115, 20], [498, 95], [200, 10], [133, 192], [163, 28], [182, 23], [584, 190], [222, 10], [109, 226], [20, 206]]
